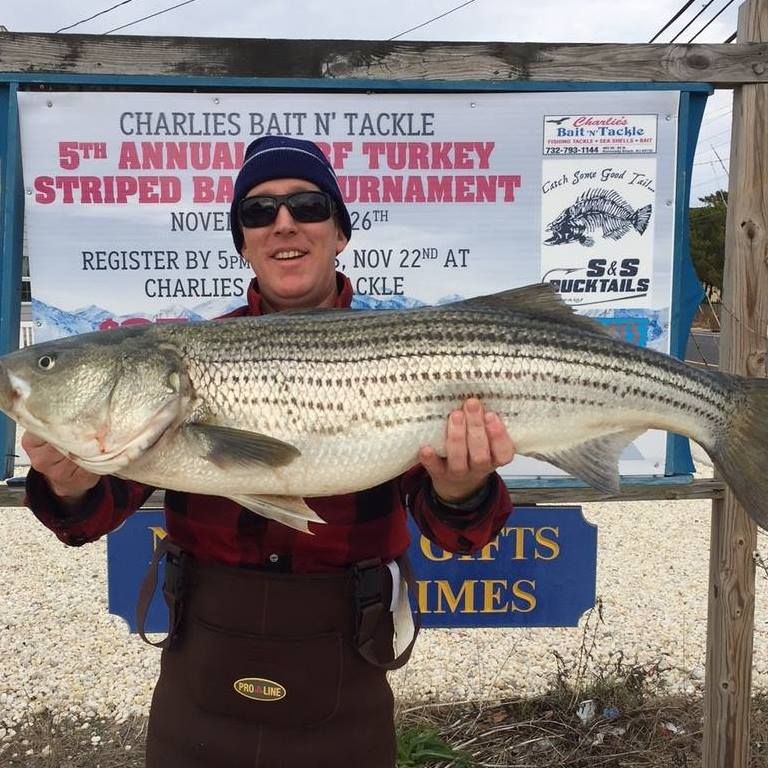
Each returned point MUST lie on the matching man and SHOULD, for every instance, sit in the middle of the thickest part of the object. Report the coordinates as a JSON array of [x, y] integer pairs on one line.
[[283, 639]]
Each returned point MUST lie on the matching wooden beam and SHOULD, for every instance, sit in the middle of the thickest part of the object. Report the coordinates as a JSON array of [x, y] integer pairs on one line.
[[743, 350], [721, 65], [697, 489]]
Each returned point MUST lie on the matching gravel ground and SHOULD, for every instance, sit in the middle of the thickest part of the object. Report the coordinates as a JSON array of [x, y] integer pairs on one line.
[[63, 652]]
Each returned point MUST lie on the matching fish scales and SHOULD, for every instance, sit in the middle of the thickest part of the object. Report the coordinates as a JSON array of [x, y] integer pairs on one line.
[[368, 350], [501, 352]]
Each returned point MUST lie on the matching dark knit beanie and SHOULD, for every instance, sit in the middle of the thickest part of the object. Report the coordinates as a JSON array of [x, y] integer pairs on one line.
[[282, 157]]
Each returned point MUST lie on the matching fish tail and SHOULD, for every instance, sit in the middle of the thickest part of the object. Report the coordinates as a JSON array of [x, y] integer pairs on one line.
[[741, 450], [641, 217]]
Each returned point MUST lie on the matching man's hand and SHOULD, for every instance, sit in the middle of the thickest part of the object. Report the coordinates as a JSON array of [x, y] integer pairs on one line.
[[476, 444], [65, 478]]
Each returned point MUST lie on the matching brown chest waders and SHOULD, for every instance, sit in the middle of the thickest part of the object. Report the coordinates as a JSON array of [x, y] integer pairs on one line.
[[272, 670]]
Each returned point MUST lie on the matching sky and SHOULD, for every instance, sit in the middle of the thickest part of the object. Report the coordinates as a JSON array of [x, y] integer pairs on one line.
[[589, 21]]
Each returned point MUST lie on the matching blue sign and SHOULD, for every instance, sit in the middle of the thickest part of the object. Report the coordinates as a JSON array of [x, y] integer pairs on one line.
[[538, 572], [129, 553], [632, 329]]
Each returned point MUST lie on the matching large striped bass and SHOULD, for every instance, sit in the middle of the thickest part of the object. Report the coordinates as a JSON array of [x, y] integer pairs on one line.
[[269, 410]]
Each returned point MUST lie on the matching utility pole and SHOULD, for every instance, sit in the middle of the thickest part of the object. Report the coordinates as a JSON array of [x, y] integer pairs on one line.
[[743, 350]]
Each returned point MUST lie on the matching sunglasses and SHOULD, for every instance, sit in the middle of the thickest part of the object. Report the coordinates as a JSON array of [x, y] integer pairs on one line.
[[306, 207]]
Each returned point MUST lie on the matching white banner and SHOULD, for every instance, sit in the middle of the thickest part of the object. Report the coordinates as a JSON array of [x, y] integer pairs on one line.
[[451, 195]]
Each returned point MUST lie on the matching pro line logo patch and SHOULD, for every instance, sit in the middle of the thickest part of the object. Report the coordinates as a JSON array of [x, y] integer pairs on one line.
[[259, 689]]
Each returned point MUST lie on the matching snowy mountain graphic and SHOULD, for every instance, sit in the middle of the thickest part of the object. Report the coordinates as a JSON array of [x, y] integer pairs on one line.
[[51, 322], [451, 298], [217, 307], [54, 323], [92, 313], [360, 301]]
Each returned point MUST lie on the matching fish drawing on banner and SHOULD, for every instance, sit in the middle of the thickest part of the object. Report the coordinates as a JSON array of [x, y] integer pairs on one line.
[[597, 209]]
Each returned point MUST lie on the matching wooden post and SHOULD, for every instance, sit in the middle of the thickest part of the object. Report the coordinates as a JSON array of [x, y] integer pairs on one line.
[[742, 350]]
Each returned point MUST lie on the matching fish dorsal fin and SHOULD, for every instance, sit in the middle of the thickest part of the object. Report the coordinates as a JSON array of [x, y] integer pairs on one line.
[[539, 299], [594, 461], [604, 196]]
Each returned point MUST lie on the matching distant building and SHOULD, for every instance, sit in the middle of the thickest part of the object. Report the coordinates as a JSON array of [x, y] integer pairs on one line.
[[27, 329]]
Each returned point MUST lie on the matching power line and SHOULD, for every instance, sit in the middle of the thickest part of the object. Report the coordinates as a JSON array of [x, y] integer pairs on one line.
[[419, 26], [727, 112], [702, 139], [703, 8], [714, 135], [728, 4], [723, 110], [711, 120], [709, 182], [721, 144], [710, 161], [100, 13], [673, 19], [151, 16], [720, 113], [704, 212], [722, 164]]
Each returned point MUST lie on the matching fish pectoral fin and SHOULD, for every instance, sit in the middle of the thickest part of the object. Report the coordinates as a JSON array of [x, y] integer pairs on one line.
[[594, 462], [227, 447], [292, 511]]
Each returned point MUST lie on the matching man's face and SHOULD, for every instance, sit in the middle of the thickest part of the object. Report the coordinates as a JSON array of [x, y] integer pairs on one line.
[[293, 261]]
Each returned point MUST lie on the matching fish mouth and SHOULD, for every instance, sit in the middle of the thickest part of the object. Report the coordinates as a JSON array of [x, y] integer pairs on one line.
[[97, 458], [7, 393], [107, 462], [11, 391]]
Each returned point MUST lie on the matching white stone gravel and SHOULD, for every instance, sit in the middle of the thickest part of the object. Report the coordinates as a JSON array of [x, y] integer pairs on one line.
[[62, 651]]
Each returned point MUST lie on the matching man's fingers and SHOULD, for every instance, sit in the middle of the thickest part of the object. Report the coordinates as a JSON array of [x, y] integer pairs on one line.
[[54, 459], [456, 443], [478, 448], [501, 446], [30, 441], [65, 478], [47, 459], [431, 461], [476, 444], [62, 471]]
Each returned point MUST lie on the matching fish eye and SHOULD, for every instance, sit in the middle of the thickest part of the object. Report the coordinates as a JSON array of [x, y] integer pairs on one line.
[[46, 362]]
